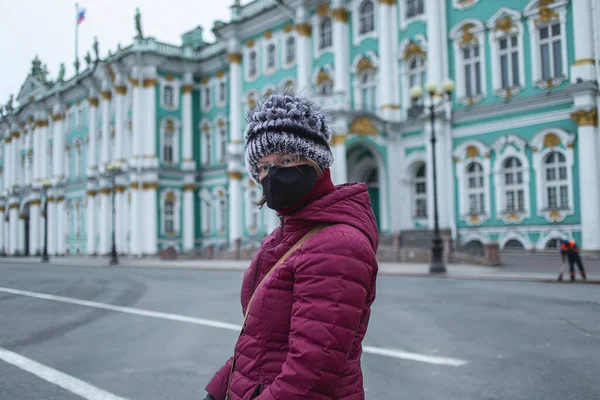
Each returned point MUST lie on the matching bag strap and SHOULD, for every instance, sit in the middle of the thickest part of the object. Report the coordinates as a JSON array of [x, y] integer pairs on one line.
[[295, 247]]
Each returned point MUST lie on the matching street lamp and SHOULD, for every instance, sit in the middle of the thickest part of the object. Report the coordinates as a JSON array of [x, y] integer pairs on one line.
[[113, 170], [437, 248], [45, 185]]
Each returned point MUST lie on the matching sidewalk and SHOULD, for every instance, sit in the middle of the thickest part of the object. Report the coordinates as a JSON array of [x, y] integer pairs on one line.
[[456, 271]]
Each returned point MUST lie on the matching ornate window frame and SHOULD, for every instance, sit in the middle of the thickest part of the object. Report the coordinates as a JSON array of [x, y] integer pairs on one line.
[[174, 125], [270, 39], [206, 92], [464, 4], [543, 143], [251, 210], [316, 24], [404, 20], [504, 148], [221, 138], [173, 195], [206, 142], [363, 64], [356, 17], [540, 14], [207, 210], [175, 84], [290, 35], [321, 77], [220, 201], [251, 48], [413, 161], [221, 89], [283, 84], [464, 155], [506, 23], [469, 32]]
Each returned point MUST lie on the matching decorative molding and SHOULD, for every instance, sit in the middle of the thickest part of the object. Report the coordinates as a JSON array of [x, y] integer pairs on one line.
[[187, 88], [411, 50], [304, 29], [134, 82], [268, 34], [464, 4], [148, 83], [288, 28], [234, 58], [363, 126], [338, 139], [586, 117], [122, 89], [91, 193], [106, 95], [340, 14], [584, 61], [93, 101], [322, 9], [150, 185], [190, 187], [234, 175]]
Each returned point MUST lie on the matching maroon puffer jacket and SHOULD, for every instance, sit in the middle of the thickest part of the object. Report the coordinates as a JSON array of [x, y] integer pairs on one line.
[[308, 319]]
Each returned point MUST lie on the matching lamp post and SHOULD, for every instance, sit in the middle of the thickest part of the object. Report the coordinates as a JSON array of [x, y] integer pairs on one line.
[[113, 170], [437, 265], [45, 185]]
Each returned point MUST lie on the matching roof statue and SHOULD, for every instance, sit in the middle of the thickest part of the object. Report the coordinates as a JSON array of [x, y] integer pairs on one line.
[[9, 104], [1, 110], [88, 58], [138, 24], [96, 48], [76, 65], [61, 73]]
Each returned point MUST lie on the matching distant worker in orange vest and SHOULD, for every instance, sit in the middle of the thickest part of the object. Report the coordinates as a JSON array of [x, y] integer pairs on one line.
[[570, 251]]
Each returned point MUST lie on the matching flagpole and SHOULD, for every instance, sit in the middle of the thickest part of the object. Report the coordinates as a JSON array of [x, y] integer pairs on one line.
[[76, 31]]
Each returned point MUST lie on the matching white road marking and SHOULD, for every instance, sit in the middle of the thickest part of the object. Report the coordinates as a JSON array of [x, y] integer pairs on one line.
[[57, 378], [387, 352]]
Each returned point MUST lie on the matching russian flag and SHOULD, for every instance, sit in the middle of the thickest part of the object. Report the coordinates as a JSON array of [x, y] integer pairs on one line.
[[80, 16]]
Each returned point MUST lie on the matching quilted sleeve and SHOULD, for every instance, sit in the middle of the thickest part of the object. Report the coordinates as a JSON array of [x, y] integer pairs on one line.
[[217, 387], [332, 280]]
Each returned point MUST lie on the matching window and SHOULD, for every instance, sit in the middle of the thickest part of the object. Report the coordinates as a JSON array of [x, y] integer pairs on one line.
[[325, 88], [271, 56], [551, 51], [79, 118], [49, 166], [476, 188], [556, 180], [222, 143], [472, 70], [168, 146], [207, 97], [169, 215], [368, 91], [417, 73], [414, 8], [254, 210], [78, 160], [509, 61], [207, 147], [290, 50], [222, 92], [77, 220], [223, 216], [367, 17], [420, 194], [325, 39], [514, 191], [252, 67], [206, 215], [168, 96]]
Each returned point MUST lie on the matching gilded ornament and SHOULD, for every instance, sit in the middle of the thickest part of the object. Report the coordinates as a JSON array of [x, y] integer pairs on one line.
[[363, 126], [56, 117], [220, 74], [554, 214], [106, 95], [472, 151], [340, 14], [221, 123], [545, 14], [268, 34], [170, 197], [364, 65], [93, 101], [234, 58], [189, 187], [504, 24], [468, 37], [585, 117], [338, 140], [584, 61], [122, 89], [474, 219], [249, 43], [150, 185], [35, 202], [91, 193], [322, 9], [304, 29], [206, 127], [234, 175], [288, 28], [120, 188], [60, 198], [411, 50], [551, 139], [105, 190], [134, 185], [148, 83], [323, 77], [7, 139], [204, 80], [188, 88], [134, 82], [169, 77], [388, 2]]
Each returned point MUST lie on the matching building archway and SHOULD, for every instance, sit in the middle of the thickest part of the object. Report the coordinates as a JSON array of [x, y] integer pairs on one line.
[[365, 165]]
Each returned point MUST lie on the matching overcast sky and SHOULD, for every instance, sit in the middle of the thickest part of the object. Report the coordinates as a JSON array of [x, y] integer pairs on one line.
[[47, 28]]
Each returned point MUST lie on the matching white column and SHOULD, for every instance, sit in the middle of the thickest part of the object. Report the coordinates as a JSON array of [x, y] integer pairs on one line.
[[138, 117], [106, 97], [13, 220], [21, 237], [187, 143], [189, 219], [304, 45], [34, 226], [340, 168], [341, 49], [91, 230], [8, 162], [235, 149], [584, 66], [121, 218], [435, 65], [58, 145], [589, 176], [62, 226], [14, 147], [103, 224], [120, 122], [3, 247], [52, 224], [35, 135], [150, 217], [135, 207], [44, 136], [386, 57], [92, 160], [150, 136]]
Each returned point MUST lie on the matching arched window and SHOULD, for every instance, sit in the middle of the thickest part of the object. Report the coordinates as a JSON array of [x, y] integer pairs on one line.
[[169, 144], [325, 88], [207, 215], [417, 72], [207, 97], [78, 220], [476, 188], [290, 50], [556, 181], [168, 96], [222, 92], [420, 192], [223, 215], [367, 17], [271, 56], [550, 39], [206, 143], [368, 90], [252, 67], [78, 160], [79, 118], [472, 69], [325, 39], [414, 8], [222, 142], [169, 214], [514, 190]]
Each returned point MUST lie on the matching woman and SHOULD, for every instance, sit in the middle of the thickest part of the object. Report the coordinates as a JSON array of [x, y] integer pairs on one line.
[[307, 311]]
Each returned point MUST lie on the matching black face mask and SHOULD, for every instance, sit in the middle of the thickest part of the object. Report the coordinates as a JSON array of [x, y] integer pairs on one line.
[[286, 186]]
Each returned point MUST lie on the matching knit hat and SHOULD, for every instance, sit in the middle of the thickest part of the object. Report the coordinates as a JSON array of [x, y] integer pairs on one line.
[[286, 123]]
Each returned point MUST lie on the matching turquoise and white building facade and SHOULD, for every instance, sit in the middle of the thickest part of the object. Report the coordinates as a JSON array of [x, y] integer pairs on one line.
[[517, 149]]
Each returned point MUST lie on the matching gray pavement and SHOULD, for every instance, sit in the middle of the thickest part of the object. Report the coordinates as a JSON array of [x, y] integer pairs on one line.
[[520, 340]]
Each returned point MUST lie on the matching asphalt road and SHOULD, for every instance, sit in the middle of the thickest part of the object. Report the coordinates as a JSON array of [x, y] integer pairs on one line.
[[508, 340]]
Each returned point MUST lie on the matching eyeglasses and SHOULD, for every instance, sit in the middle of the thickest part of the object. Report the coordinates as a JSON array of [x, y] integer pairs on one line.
[[285, 160]]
